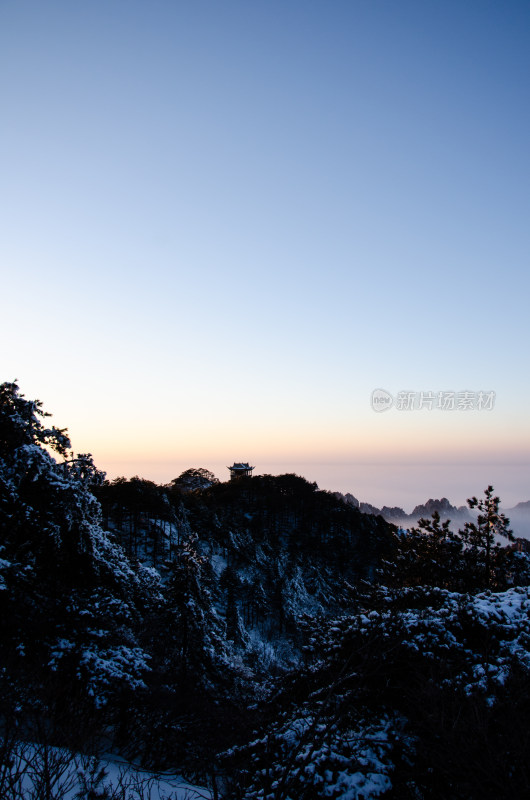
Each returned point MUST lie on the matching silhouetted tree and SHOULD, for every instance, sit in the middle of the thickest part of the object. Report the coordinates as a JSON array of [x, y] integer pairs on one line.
[[192, 479], [483, 550]]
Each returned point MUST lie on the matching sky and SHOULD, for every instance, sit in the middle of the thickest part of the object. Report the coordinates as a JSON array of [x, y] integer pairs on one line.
[[224, 225]]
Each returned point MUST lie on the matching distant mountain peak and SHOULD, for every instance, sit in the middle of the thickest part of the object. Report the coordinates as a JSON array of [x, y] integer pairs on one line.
[[397, 515], [347, 498], [443, 506]]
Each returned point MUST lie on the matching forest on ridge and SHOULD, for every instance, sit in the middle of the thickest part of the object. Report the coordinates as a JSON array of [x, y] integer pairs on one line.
[[260, 637]]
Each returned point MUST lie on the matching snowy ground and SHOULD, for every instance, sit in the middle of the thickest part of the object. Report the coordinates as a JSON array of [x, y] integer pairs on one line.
[[155, 786], [34, 771]]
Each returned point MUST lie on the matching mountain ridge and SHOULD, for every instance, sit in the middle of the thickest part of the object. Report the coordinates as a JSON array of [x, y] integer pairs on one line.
[[519, 514]]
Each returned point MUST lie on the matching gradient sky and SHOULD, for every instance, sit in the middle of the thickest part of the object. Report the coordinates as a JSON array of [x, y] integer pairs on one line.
[[223, 224]]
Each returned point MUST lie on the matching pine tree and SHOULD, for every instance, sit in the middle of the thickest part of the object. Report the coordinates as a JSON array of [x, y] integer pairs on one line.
[[69, 599], [427, 555], [480, 538]]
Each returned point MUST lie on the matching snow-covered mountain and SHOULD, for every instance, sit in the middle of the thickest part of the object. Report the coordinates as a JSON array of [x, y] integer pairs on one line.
[[265, 639]]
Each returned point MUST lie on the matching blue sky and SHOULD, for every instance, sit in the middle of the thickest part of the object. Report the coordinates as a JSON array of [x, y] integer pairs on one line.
[[225, 224]]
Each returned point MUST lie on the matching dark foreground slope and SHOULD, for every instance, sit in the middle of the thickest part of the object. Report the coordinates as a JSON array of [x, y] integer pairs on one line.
[[259, 634]]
